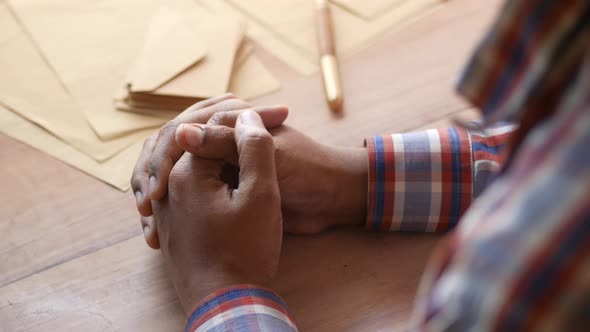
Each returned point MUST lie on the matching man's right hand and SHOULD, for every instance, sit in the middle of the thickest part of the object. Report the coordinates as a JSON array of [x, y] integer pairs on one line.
[[320, 186]]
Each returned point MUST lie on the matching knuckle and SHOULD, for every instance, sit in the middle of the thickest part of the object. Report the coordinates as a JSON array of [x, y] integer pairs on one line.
[[169, 128], [148, 147], [177, 181], [135, 182], [218, 117], [147, 142], [160, 154], [232, 105], [154, 164], [174, 181], [258, 138], [267, 192], [196, 106], [160, 165], [226, 134]]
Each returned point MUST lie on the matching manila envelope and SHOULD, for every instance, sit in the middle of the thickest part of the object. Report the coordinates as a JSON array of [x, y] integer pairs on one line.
[[267, 38], [115, 171], [30, 88], [160, 105], [249, 80], [170, 47], [210, 77], [90, 45], [290, 25], [369, 9]]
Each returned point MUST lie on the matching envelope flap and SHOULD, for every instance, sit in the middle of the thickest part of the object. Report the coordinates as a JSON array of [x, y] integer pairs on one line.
[[170, 48], [222, 34]]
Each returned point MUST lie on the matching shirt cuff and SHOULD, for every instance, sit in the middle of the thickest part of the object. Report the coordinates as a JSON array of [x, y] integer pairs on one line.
[[419, 181], [241, 308]]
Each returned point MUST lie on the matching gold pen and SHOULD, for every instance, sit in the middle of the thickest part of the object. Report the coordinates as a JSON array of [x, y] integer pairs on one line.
[[328, 60]]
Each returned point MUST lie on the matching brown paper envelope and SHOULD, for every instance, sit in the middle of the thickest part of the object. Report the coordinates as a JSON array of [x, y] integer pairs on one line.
[[115, 171], [297, 23], [369, 9], [250, 80], [90, 45], [290, 25], [124, 106], [129, 100], [267, 38], [209, 77], [244, 51], [156, 102], [170, 48], [30, 88]]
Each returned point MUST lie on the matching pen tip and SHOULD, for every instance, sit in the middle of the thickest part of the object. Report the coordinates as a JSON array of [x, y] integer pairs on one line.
[[335, 104]]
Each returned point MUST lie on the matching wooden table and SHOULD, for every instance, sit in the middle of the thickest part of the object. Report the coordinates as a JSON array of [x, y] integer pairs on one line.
[[72, 255]]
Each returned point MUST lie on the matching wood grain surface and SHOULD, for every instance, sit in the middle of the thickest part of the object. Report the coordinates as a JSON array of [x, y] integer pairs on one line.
[[72, 256]]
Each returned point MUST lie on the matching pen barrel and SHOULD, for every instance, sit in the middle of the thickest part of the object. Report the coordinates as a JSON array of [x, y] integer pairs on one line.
[[331, 78], [328, 61], [324, 28]]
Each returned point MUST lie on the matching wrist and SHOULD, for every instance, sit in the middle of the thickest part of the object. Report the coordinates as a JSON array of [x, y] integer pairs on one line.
[[196, 286], [349, 177]]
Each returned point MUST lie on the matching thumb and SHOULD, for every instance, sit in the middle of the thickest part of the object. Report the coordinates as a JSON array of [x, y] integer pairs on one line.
[[256, 156], [208, 142], [216, 139]]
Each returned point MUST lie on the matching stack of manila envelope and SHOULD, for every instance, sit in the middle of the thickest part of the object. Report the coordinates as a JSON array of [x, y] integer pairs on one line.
[[191, 56], [63, 64]]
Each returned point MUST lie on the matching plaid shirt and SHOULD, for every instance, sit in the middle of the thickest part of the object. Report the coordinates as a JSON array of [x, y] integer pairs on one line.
[[517, 257]]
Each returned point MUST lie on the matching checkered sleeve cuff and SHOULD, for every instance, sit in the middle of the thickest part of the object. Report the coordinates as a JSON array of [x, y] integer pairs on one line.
[[241, 308], [419, 181]]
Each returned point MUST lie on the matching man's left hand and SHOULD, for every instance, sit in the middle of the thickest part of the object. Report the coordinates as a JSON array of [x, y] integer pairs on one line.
[[214, 236]]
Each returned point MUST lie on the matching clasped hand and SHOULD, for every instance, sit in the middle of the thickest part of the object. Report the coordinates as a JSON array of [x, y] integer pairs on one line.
[[218, 211]]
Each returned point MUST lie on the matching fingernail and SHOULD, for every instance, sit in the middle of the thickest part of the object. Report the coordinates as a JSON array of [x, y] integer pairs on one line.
[[146, 230], [193, 135], [138, 196], [249, 118], [153, 183]]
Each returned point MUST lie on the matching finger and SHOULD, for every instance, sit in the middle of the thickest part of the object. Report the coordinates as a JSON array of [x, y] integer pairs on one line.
[[209, 142], [192, 175], [208, 102], [166, 152], [150, 232], [256, 156], [140, 178], [272, 116], [216, 139]]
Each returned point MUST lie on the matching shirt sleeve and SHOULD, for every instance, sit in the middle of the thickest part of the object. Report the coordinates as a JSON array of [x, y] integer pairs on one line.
[[241, 308], [424, 181]]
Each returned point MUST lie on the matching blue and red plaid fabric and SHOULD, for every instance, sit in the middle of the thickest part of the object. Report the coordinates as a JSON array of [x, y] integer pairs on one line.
[[519, 260], [516, 256], [425, 181], [241, 308], [419, 181]]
